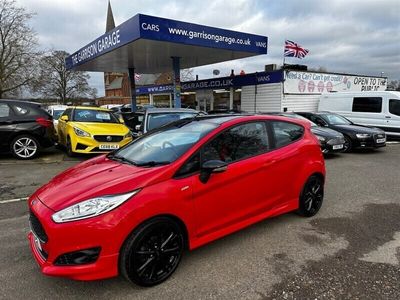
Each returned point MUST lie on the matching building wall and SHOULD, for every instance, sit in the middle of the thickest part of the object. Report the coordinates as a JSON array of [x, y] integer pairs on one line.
[[267, 99], [303, 102]]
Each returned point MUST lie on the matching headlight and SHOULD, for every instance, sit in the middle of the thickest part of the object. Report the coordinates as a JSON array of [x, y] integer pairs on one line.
[[362, 135], [80, 132], [91, 208], [320, 138], [128, 135]]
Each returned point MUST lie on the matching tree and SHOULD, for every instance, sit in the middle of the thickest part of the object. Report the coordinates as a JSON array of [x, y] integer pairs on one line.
[[394, 85], [55, 81], [18, 51]]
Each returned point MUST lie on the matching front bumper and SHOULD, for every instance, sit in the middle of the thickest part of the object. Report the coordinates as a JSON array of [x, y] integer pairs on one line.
[[71, 237], [375, 141], [334, 145], [90, 145]]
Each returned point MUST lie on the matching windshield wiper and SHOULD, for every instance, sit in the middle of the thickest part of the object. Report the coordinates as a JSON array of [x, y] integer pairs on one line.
[[152, 163], [121, 159]]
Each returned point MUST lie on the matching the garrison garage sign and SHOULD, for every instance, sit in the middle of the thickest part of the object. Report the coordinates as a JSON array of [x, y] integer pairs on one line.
[[297, 82]]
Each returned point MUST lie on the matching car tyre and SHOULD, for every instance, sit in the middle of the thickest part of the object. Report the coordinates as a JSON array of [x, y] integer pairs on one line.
[[311, 196], [347, 147], [70, 152], [24, 147], [152, 252]]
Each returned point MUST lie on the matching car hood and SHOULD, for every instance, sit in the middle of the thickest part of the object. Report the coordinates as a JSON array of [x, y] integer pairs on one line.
[[96, 177], [326, 132], [358, 129], [102, 128]]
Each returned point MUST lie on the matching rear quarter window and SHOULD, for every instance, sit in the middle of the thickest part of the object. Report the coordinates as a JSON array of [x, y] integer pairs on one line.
[[394, 107], [286, 133], [367, 104]]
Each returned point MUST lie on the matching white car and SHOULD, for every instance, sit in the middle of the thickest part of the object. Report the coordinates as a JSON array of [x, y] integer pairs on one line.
[[56, 111]]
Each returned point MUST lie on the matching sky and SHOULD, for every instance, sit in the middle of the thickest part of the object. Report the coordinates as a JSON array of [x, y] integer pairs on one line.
[[346, 36]]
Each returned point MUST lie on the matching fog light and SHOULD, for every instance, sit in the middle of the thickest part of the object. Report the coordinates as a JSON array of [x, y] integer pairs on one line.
[[80, 257]]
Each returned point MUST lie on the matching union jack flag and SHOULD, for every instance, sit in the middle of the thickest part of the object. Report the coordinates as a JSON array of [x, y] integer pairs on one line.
[[137, 76], [293, 49]]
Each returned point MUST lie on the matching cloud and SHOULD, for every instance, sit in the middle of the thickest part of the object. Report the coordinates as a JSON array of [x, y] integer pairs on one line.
[[358, 37]]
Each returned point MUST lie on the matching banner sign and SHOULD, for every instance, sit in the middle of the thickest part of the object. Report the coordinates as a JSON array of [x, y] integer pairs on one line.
[[160, 29], [298, 82], [216, 83]]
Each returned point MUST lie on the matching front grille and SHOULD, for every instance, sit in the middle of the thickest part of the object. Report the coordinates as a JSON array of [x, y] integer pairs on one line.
[[108, 138], [37, 228]]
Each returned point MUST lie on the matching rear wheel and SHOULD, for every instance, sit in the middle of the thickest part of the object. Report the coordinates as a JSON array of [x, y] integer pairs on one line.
[[347, 144], [311, 197], [25, 147], [152, 252]]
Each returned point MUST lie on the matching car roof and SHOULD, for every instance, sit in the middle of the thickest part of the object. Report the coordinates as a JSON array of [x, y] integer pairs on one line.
[[57, 107], [21, 101], [90, 108], [172, 110]]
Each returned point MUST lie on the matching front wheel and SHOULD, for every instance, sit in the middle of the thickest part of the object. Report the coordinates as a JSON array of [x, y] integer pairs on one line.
[[24, 147], [152, 252], [347, 144], [311, 197], [70, 152]]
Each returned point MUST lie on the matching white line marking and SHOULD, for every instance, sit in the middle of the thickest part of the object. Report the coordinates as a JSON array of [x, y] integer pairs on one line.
[[13, 200]]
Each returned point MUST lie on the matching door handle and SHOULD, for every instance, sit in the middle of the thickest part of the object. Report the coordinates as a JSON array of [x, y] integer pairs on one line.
[[269, 163], [388, 117]]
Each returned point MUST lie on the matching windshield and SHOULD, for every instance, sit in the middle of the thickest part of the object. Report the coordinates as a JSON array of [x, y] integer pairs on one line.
[[164, 146], [157, 120], [92, 115], [57, 114], [336, 119]]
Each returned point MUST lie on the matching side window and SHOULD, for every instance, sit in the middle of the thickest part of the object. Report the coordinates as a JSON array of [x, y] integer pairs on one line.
[[192, 165], [317, 120], [286, 133], [4, 110], [367, 104], [237, 143], [394, 107]]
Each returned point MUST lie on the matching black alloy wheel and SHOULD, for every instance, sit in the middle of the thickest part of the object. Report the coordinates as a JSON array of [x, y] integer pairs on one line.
[[70, 152], [347, 146], [152, 252], [24, 147], [311, 197]]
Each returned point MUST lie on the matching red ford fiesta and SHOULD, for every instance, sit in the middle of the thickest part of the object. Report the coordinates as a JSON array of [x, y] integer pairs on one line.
[[134, 211]]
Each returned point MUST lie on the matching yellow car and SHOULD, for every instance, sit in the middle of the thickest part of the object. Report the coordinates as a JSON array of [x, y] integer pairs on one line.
[[91, 130]]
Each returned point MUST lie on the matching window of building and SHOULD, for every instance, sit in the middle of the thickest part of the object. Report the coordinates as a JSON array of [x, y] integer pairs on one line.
[[286, 133], [367, 104]]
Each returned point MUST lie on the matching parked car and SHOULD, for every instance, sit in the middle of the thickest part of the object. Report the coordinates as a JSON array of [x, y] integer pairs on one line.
[[331, 141], [151, 118], [355, 136], [378, 109], [91, 130], [56, 111], [25, 128], [186, 184]]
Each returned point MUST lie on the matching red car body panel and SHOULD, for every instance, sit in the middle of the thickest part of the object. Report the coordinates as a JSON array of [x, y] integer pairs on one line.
[[250, 190]]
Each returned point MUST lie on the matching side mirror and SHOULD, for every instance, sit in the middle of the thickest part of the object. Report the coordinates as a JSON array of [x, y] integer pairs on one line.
[[64, 118], [212, 166]]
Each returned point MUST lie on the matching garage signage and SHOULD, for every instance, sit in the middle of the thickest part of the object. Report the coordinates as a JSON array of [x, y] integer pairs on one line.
[[297, 82], [217, 83]]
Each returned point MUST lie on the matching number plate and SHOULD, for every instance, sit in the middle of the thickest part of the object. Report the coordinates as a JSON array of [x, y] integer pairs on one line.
[[108, 147], [381, 140], [336, 147]]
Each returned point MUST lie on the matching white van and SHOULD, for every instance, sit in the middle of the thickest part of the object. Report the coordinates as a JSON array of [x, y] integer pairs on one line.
[[378, 109]]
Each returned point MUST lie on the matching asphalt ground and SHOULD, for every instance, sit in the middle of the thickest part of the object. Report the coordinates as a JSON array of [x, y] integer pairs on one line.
[[350, 250]]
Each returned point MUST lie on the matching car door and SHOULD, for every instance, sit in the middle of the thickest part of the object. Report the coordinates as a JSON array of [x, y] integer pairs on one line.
[[240, 192], [62, 126], [393, 117], [7, 125]]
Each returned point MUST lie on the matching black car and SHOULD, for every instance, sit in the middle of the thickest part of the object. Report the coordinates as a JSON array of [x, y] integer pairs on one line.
[[356, 136], [25, 128], [330, 140]]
